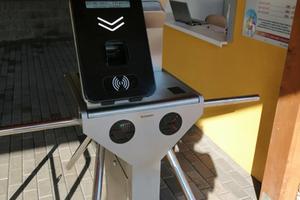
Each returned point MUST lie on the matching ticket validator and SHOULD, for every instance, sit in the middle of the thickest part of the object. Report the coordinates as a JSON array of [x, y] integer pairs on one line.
[[112, 49]]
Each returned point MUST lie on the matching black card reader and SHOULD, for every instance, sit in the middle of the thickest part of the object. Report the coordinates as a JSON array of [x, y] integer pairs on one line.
[[112, 49]]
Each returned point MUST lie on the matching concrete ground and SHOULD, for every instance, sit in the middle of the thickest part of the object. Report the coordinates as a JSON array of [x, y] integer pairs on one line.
[[32, 166]]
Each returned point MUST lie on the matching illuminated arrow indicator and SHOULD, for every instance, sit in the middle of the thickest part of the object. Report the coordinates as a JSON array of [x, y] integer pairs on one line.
[[105, 24]]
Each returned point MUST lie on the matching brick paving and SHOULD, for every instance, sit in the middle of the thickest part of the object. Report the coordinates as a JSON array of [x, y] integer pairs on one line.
[[33, 166]]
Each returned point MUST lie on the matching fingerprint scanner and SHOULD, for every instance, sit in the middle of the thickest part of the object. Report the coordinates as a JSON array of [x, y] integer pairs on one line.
[[116, 53]]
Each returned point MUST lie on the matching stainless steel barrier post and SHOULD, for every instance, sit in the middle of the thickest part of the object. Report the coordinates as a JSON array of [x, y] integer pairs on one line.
[[99, 169]]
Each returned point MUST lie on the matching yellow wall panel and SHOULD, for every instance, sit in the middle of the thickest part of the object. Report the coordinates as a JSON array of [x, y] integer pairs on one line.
[[245, 66]]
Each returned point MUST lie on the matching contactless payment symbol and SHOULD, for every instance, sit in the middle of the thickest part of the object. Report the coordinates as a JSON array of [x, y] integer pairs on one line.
[[111, 26], [120, 83]]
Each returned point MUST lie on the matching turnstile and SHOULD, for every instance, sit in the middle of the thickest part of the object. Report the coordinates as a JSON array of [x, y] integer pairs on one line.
[[134, 137], [130, 169]]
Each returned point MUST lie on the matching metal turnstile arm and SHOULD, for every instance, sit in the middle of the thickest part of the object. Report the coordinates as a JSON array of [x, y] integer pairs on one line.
[[40, 126], [180, 175], [230, 101]]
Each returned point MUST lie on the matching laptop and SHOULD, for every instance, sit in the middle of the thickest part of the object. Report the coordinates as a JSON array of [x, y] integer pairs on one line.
[[182, 14]]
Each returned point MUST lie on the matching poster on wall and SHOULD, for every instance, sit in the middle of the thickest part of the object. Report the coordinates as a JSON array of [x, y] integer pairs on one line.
[[269, 20]]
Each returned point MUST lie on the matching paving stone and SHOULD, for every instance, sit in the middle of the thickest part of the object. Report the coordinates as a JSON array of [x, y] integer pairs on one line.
[[196, 191], [28, 167], [174, 186], [235, 189], [202, 169], [89, 197], [30, 195], [182, 146], [228, 196], [185, 165], [15, 162], [251, 192], [40, 157], [32, 185], [62, 188], [166, 171], [223, 177], [4, 157], [27, 142], [3, 187], [87, 187], [225, 166], [216, 186], [44, 188], [28, 154], [162, 184], [50, 197], [11, 191], [43, 173], [190, 156], [67, 172], [209, 195], [70, 181], [81, 168], [92, 150], [77, 195], [57, 167], [208, 161], [166, 194], [247, 198], [15, 176], [180, 197], [239, 179], [198, 180], [65, 154], [3, 196], [3, 171], [4, 141]]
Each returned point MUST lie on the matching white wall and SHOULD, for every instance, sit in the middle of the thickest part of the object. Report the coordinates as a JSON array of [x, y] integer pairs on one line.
[[200, 9]]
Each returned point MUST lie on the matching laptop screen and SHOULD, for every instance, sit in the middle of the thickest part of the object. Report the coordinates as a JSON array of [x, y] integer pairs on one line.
[[181, 11]]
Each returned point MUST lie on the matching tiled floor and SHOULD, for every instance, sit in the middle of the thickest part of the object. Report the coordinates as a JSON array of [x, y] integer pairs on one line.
[[32, 166]]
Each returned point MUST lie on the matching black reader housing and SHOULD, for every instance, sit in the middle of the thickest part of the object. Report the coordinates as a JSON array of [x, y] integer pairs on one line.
[[112, 49]]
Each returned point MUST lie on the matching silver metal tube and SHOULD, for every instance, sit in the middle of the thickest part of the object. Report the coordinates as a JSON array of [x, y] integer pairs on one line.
[[180, 175], [12, 130], [79, 151], [99, 169], [230, 101]]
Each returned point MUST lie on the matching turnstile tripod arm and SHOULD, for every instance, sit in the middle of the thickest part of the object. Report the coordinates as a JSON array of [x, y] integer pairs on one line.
[[230, 101], [180, 175], [40, 126]]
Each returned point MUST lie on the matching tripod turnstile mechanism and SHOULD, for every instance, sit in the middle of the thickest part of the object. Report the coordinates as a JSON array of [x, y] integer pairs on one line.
[[139, 124], [112, 167]]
